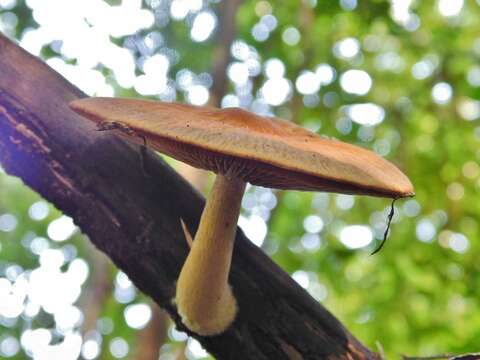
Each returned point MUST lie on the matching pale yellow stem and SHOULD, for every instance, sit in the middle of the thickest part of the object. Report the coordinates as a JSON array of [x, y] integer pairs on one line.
[[204, 298]]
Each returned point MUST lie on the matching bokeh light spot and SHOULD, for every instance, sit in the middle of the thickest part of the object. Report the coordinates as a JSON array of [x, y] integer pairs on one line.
[[195, 349], [137, 316], [313, 224], [8, 222], [450, 7], [308, 82], [255, 228], [118, 348], [425, 231], [38, 211], [61, 229], [203, 26], [291, 36], [356, 82], [346, 48], [367, 114], [442, 93], [198, 95], [9, 346], [356, 236], [90, 349]]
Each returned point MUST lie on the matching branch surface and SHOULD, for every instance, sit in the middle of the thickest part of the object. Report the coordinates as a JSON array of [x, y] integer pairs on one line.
[[134, 217]]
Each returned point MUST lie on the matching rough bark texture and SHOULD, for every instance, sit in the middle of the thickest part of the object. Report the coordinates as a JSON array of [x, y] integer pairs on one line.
[[134, 215]]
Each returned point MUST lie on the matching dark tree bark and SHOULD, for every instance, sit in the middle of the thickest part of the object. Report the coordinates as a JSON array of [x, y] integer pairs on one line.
[[134, 216]]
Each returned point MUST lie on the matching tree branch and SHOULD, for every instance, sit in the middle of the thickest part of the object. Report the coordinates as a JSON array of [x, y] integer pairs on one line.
[[221, 55], [134, 217], [153, 336]]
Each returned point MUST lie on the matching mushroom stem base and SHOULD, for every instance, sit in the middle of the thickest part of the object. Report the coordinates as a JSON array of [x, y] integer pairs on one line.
[[204, 298]]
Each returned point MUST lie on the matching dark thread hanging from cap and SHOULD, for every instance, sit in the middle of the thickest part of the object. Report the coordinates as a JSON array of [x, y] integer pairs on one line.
[[385, 234]]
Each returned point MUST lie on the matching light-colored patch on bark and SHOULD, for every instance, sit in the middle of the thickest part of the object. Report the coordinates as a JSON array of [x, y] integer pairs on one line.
[[291, 352], [29, 134], [56, 168], [38, 144]]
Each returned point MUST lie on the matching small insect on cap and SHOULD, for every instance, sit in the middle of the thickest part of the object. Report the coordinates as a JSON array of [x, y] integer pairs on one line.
[[263, 151]]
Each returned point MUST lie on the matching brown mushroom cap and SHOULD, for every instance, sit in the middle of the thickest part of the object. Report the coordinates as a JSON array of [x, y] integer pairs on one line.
[[263, 151]]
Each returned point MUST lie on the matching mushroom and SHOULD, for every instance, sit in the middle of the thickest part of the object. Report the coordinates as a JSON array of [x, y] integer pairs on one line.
[[240, 147]]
